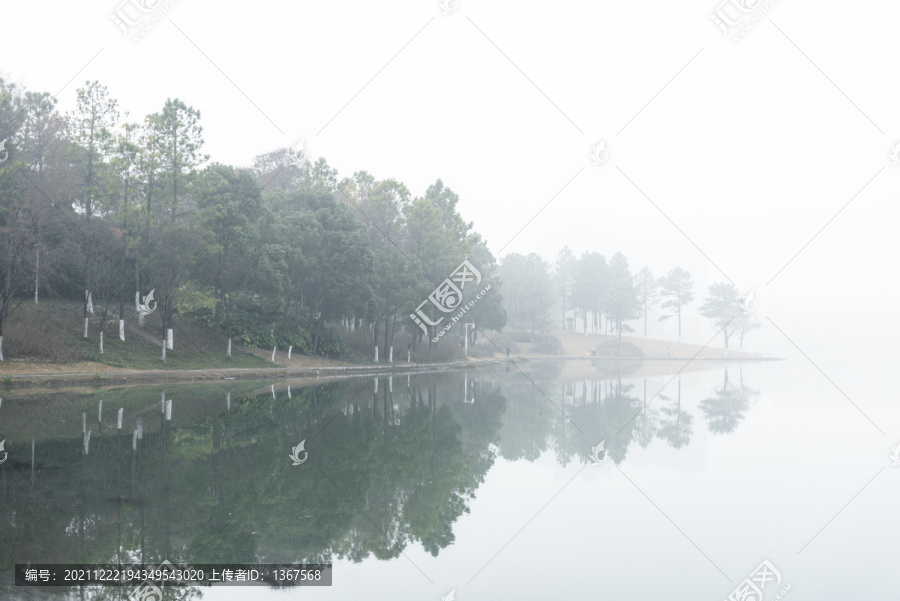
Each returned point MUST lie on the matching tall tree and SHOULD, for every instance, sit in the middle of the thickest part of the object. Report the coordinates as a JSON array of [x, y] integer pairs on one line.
[[230, 209], [563, 278], [647, 292], [125, 198], [623, 303], [340, 262], [589, 289], [723, 306], [528, 290], [180, 139], [676, 289], [95, 115]]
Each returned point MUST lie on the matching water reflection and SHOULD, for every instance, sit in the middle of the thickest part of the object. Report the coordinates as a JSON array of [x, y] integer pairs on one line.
[[725, 409], [203, 474]]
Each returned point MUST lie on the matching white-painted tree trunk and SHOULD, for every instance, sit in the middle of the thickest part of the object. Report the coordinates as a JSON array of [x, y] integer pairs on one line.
[[100, 411], [169, 339], [122, 330], [83, 422], [162, 402], [408, 357], [90, 305], [376, 384], [87, 442], [101, 341], [1, 348], [228, 400], [289, 351], [228, 354], [134, 441], [169, 410], [273, 354], [391, 384], [273, 391], [289, 391], [140, 428], [391, 355], [140, 318], [376, 354], [163, 349], [85, 326], [119, 418]]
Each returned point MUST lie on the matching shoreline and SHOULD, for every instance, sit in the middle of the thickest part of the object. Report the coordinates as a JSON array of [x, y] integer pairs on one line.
[[120, 376]]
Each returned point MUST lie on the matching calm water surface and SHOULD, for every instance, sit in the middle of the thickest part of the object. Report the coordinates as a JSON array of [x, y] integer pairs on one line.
[[481, 482]]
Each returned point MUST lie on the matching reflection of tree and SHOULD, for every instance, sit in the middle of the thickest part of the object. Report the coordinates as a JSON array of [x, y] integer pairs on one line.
[[725, 409], [647, 422], [675, 428], [527, 421], [601, 412], [384, 470]]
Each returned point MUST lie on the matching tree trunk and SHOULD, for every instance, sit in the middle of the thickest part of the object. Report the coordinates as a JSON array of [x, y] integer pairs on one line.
[[645, 319], [319, 323], [679, 322]]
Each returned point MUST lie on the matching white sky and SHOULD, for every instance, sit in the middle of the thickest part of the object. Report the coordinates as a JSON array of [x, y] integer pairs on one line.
[[749, 149]]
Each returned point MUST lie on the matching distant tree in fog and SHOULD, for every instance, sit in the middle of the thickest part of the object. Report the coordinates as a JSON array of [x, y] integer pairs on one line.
[[676, 289]]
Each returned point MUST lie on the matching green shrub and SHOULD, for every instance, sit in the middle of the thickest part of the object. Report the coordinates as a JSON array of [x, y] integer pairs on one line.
[[253, 325]]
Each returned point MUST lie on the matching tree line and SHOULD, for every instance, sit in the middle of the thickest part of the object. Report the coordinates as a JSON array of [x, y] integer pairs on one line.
[[96, 208], [603, 293]]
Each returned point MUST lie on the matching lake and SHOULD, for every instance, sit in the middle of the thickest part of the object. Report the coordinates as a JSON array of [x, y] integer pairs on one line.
[[489, 483]]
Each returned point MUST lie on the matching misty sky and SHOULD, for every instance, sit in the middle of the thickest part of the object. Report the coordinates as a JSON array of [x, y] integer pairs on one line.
[[746, 149]]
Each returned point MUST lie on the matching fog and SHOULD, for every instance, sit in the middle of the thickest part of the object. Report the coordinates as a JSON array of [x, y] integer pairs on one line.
[[766, 163]]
